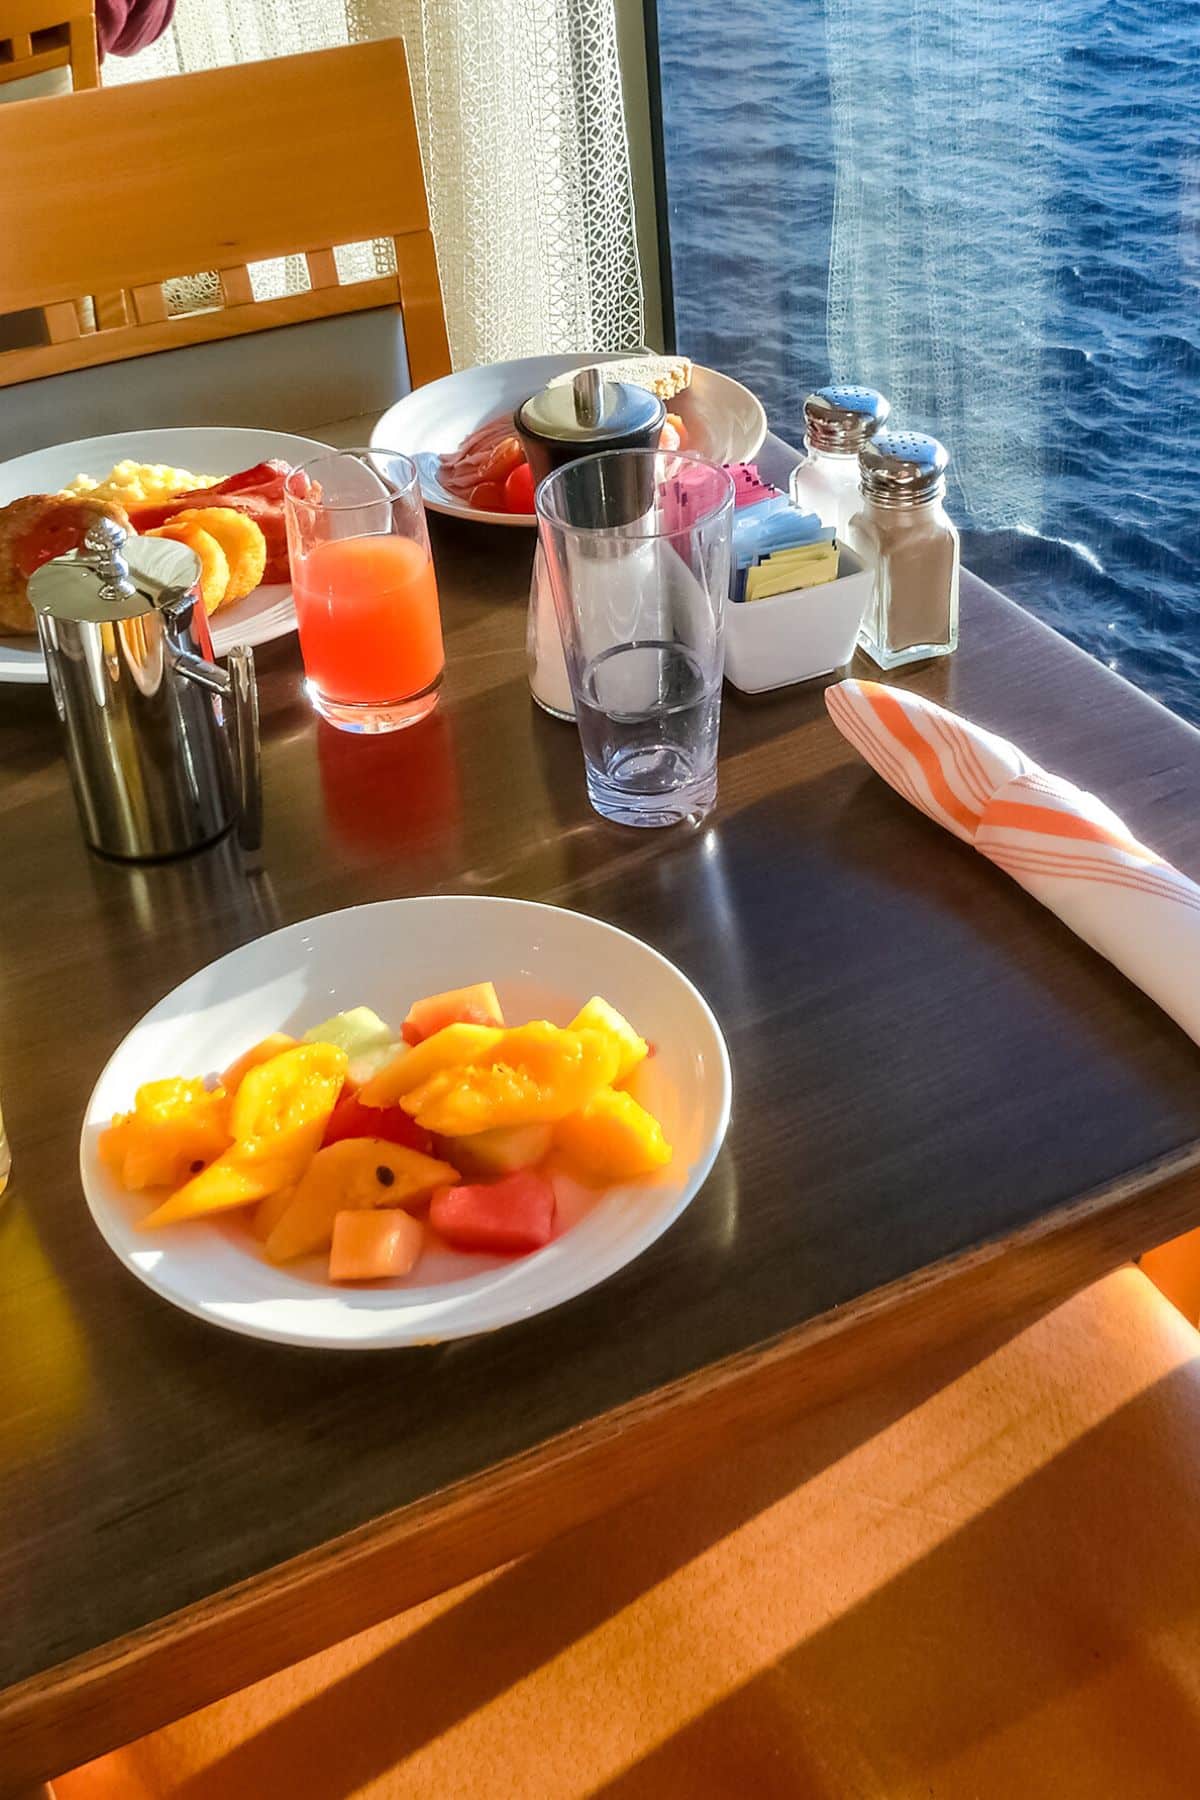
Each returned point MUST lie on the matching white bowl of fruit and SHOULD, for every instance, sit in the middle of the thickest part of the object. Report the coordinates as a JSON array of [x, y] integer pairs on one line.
[[410, 1168]]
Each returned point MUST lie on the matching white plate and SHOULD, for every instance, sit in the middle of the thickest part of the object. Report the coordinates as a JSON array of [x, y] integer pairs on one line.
[[545, 962], [203, 449], [725, 421]]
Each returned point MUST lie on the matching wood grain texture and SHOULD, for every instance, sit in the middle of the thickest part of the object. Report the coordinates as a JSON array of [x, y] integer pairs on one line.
[[193, 169], [946, 1108]]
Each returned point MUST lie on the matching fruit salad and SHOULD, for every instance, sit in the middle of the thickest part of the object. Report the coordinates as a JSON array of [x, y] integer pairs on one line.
[[366, 1146]]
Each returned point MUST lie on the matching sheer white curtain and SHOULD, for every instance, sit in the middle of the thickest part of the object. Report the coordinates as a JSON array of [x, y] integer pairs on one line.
[[526, 158]]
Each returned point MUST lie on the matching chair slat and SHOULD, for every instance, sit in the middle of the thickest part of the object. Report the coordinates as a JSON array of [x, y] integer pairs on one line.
[[322, 268], [236, 287], [150, 303], [62, 323], [111, 310]]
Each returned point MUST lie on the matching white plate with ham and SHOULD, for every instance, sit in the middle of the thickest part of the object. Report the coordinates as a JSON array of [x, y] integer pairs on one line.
[[204, 450], [452, 427]]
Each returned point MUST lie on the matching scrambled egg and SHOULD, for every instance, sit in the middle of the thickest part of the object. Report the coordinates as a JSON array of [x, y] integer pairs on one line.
[[137, 484]]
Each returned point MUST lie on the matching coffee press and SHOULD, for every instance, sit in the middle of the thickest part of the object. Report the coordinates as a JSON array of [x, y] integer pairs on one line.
[[161, 744]]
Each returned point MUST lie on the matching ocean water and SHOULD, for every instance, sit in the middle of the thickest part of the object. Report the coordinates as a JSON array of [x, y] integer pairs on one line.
[[992, 213]]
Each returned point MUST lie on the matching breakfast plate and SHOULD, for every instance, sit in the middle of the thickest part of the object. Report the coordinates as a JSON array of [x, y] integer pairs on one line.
[[220, 450], [725, 421], [545, 961]]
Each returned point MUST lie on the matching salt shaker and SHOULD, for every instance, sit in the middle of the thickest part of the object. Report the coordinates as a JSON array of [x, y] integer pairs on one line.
[[902, 531], [838, 421]]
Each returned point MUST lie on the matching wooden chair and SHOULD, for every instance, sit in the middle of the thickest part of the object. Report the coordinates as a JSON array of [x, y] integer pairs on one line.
[[113, 192], [39, 35], [979, 1576]]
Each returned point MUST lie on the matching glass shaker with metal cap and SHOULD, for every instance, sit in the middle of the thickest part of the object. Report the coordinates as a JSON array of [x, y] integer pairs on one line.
[[563, 422], [838, 421], [146, 715], [902, 531]]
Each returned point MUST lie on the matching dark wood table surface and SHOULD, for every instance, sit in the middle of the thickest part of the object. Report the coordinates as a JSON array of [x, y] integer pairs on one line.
[[946, 1109]]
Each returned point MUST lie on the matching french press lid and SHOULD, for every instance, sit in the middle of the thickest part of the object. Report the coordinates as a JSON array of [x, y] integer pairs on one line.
[[841, 419], [113, 575], [591, 413]]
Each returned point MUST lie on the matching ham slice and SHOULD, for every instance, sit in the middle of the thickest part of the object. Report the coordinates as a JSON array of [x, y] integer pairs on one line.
[[256, 492], [462, 469]]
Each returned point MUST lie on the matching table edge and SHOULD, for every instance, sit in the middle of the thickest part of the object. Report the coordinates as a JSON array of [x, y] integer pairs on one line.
[[243, 1633]]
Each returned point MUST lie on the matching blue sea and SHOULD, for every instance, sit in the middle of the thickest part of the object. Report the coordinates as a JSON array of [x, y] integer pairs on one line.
[[990, 210]]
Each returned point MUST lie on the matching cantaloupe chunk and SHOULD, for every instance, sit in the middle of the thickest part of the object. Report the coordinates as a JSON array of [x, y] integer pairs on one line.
[[350, 1176], [454, 1047], [478, 1005], [371, 1246], [611, 1139], [599, 1016]]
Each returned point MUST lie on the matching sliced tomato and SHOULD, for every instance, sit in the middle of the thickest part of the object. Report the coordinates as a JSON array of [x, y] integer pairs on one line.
[[487, 496], [351, 1119], [674, 435], [518, 489], [504, 459], [504, 1217]]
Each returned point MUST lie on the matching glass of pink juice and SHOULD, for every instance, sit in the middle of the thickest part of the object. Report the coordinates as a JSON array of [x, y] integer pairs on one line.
[[365, 592]]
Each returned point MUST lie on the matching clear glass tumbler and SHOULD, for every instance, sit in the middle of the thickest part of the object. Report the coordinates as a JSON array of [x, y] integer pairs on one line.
[[637, 547], [366, 595]]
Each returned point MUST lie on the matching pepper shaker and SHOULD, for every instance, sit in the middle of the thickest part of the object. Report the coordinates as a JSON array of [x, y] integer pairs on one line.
[[902, 531]]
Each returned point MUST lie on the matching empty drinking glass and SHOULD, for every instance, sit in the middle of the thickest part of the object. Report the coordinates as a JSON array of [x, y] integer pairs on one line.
[[637, 545]]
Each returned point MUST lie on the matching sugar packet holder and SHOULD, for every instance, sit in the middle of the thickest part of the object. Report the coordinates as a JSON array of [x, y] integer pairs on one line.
[[797, 635]]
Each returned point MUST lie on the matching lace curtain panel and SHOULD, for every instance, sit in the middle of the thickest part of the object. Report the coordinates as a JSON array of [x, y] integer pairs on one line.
[[526, 158]]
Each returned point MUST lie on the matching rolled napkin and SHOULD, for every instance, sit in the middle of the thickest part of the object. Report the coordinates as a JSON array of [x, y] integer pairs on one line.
[[1062, 845]]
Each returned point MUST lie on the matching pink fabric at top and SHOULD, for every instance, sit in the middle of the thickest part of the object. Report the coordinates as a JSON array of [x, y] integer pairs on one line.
[[123, 26]]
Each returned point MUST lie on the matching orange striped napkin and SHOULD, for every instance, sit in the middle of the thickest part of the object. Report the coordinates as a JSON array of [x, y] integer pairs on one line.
[[1063, 845]]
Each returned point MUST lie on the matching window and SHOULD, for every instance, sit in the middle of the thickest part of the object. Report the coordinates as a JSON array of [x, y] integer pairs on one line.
[[991, 213]]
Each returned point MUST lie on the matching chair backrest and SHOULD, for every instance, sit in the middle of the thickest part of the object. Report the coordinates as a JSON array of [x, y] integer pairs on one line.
[[115, 191], [38, 35]]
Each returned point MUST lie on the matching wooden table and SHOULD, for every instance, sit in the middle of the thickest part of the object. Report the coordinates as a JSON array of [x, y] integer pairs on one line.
[[946, 1110]]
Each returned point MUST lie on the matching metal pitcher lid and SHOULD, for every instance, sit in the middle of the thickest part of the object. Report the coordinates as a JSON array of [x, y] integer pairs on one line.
[[590, 411], [841, 418], [113, 575], [902, 468]]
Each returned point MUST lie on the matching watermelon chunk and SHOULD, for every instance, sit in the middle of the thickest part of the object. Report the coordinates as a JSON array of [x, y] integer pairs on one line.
[[503, 1217], [476, 1005], [351, 1119]]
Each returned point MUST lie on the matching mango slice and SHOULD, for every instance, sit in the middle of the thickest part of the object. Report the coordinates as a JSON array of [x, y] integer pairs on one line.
[[611, 1139], [175, 1127], [347, 1176], [449, 1048], [599, 1016], [534, 1074], [278, 1119], [262, 1052]]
